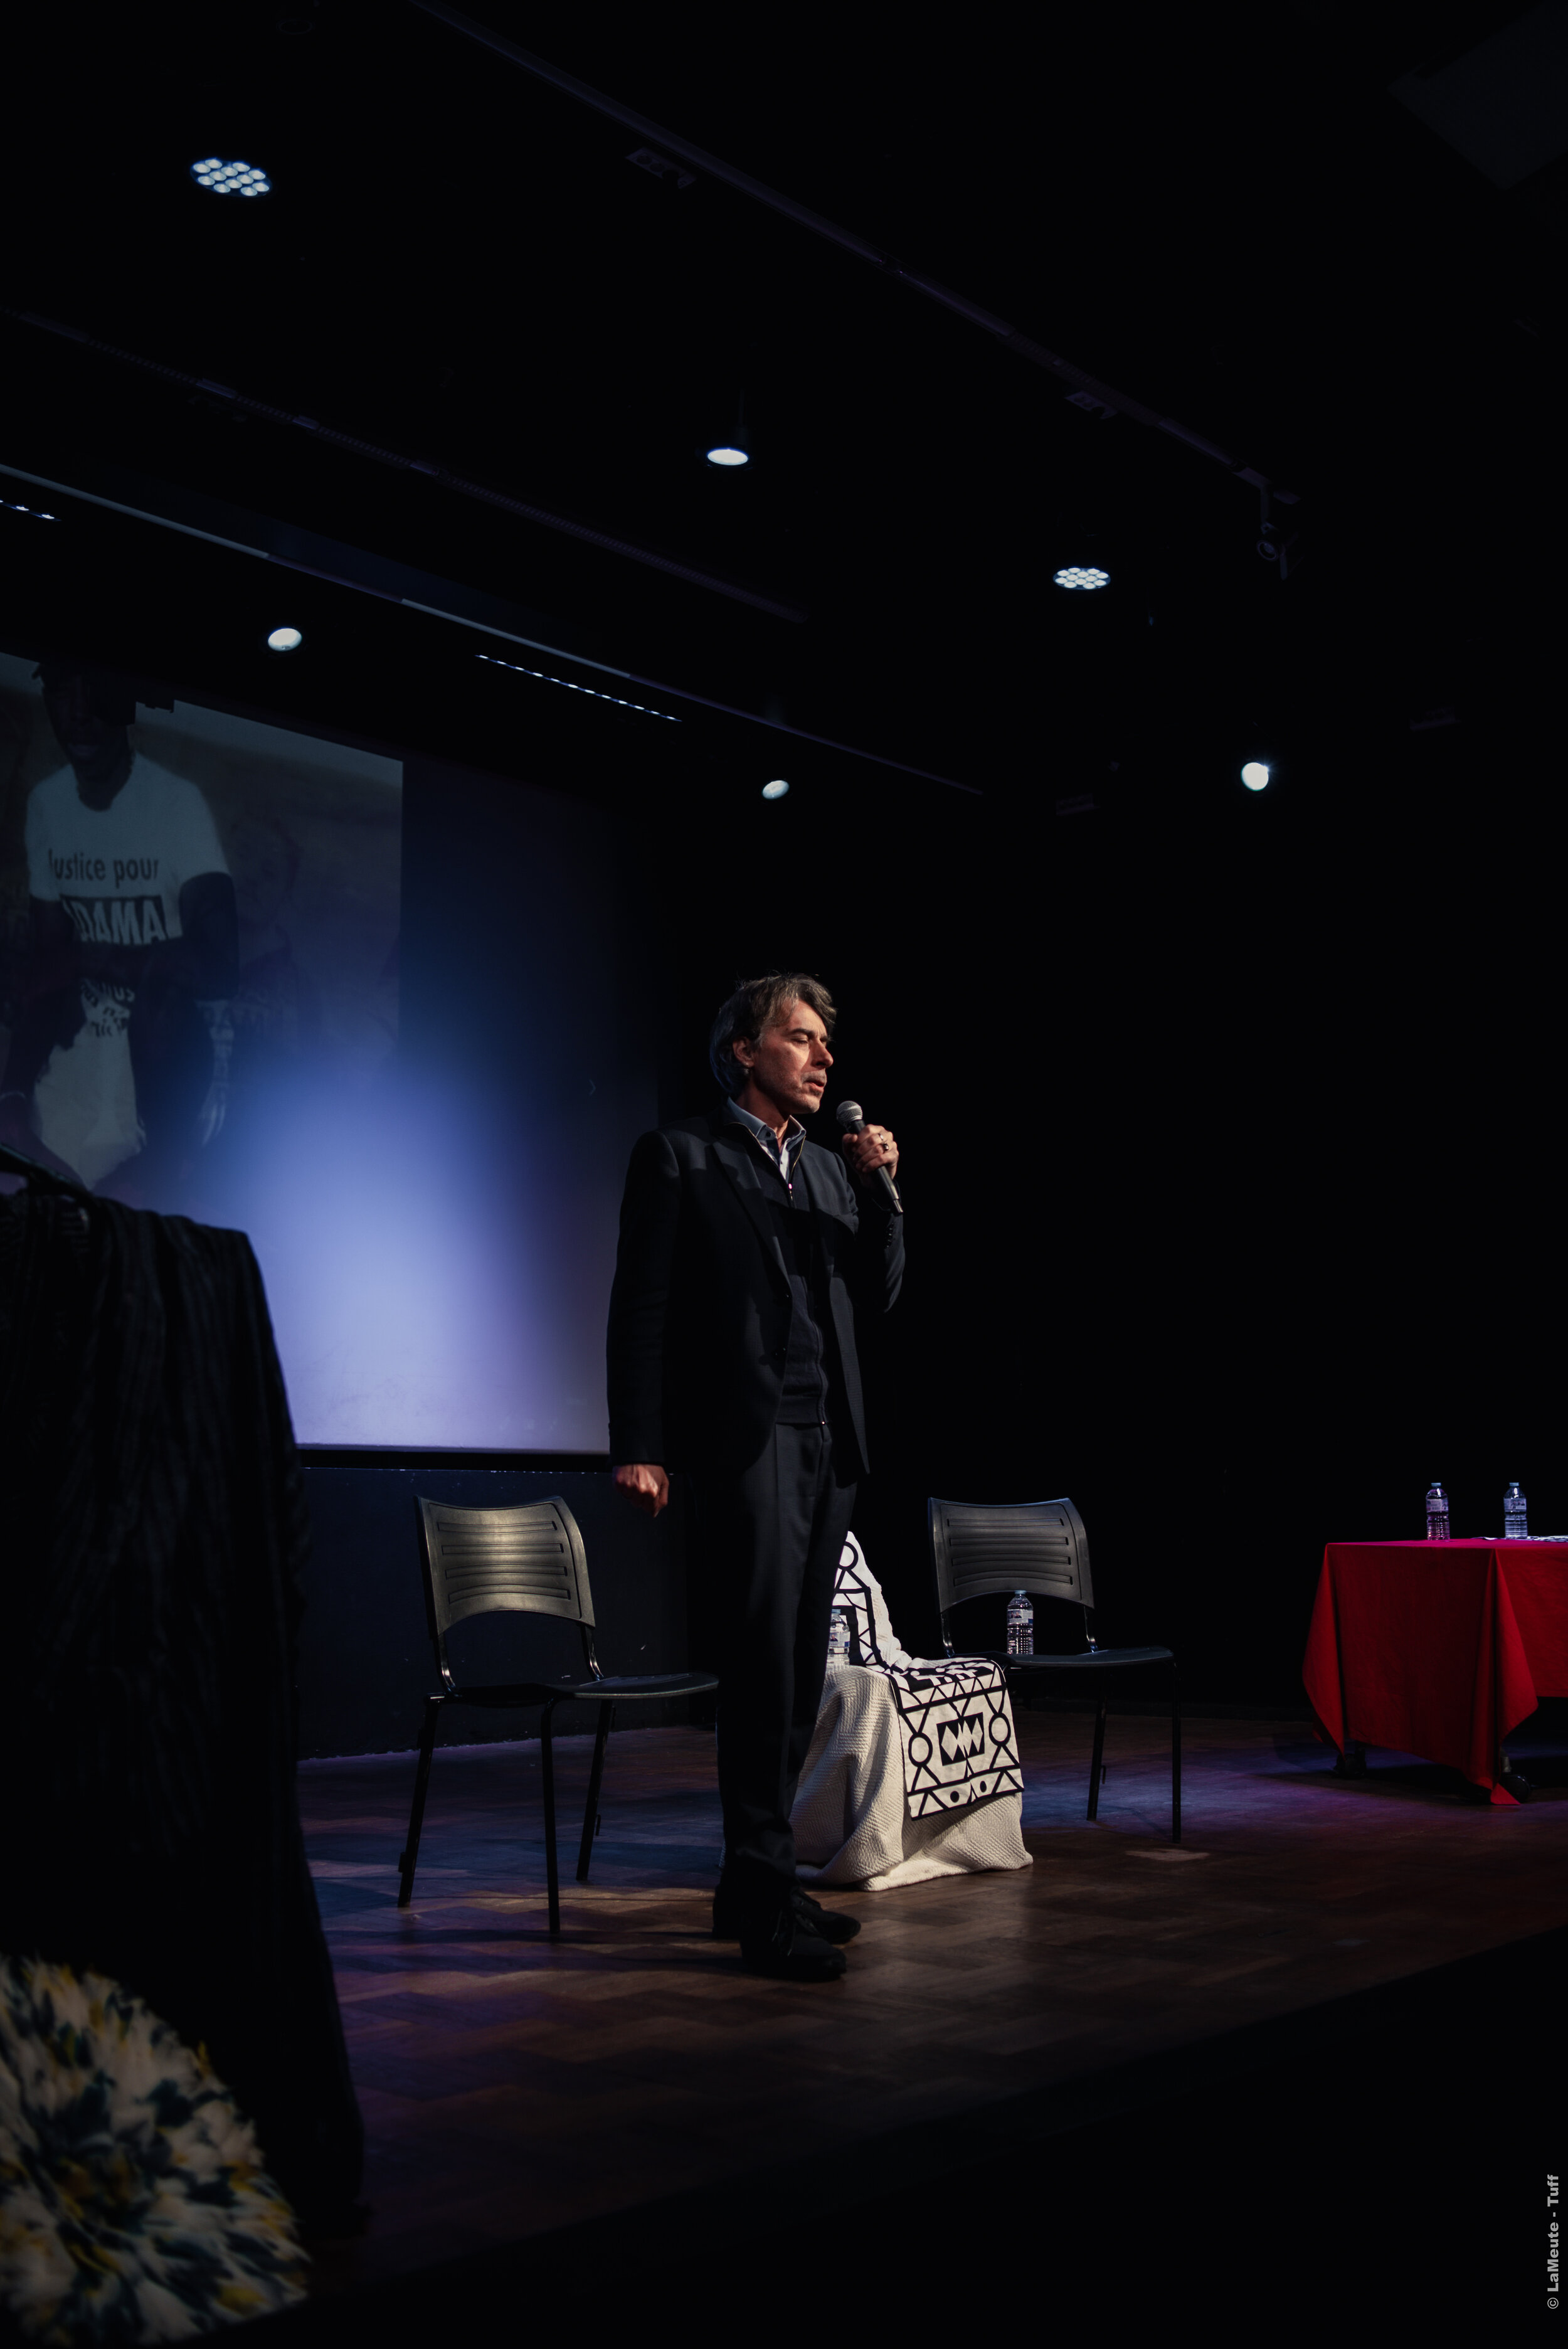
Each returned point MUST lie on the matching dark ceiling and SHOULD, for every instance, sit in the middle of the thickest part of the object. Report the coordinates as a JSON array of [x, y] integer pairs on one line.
[[1227, 219]]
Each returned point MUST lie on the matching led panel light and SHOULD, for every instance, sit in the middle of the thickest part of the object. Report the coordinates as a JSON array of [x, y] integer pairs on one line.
[[285, 640], [1255, 775], [776, 789], [230, 178], [1082, 575]]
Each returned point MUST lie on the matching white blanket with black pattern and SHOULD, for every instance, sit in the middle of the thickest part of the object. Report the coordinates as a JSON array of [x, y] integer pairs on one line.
[[955, 1718], [913, 1769]]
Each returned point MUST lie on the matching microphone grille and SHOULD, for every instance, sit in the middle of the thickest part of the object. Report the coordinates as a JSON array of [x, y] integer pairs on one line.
[[850, 1114]]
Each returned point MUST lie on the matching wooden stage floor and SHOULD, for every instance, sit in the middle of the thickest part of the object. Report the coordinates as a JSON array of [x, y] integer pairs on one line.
[[511, 2088]]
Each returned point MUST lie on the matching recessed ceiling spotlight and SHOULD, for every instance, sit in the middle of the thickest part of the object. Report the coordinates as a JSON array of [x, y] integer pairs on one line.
[[1082, 575], [1255, 775], [285, 640], [734, 448], [230, 178], [776, 789]]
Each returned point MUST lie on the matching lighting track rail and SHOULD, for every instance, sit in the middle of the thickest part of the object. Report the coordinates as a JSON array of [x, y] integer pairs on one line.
[[459, 482], [363, 587], [671, 143]]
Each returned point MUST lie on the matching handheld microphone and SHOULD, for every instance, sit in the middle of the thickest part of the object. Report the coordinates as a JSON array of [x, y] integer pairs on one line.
[[852, 1118]]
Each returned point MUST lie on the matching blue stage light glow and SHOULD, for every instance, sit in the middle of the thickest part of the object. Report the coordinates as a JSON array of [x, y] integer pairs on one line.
[[1081, 575], [230, 178], [776, 789], [1255, 775], [285, 640], [545, 679]]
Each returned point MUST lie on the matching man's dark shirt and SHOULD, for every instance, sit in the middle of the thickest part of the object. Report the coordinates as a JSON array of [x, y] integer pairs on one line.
[[804, 1400]]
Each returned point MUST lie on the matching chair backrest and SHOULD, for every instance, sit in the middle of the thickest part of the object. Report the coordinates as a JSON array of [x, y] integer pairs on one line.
[[1039, 1547], [528, 1560]]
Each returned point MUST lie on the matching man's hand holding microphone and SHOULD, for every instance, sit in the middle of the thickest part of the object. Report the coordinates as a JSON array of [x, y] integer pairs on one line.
[[872, 1152]]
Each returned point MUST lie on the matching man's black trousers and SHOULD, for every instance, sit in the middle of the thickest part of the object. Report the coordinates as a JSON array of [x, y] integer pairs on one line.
[[770, 1541]]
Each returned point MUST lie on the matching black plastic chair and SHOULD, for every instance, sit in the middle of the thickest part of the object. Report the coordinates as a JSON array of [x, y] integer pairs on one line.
[[528, 1560], [1041, 1548]]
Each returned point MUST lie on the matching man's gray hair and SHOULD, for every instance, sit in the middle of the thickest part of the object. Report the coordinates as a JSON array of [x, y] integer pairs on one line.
[[754, 1006]]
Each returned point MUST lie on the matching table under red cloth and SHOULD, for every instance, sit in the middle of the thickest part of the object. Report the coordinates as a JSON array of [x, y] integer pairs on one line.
[[1437, 1648]]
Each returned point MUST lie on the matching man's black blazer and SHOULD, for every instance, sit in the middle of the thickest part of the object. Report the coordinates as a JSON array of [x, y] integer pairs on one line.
[[699, 1314]]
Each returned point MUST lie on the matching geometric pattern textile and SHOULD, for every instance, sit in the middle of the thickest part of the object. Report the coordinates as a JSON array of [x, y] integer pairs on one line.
[[955, 1721], [955, 1716]]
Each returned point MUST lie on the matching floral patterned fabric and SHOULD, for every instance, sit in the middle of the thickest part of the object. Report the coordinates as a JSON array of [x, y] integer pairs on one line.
[[133, 2202]]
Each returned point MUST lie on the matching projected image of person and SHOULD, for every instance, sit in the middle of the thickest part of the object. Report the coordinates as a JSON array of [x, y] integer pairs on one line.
[[117, 1064], [746, 1255]]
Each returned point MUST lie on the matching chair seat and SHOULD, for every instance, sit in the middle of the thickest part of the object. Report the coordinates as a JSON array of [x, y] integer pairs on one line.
[[1101, 1659], [614, 1689], [635, 1685]]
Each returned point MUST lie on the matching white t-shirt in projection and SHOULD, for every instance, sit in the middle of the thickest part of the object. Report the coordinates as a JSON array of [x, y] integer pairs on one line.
[[118, 872]]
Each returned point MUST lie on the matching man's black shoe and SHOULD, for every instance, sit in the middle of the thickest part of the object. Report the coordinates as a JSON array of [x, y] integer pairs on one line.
[[787, 1950], [828, 1924]]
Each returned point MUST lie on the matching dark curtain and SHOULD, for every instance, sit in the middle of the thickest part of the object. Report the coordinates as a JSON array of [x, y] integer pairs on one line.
[[155, 1532]]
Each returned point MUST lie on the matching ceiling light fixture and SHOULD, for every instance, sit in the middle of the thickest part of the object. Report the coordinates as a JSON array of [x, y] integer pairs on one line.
[[776, 790], [285, 640], [1255, 775], [230, 178], [735, 449], [1082, 575]]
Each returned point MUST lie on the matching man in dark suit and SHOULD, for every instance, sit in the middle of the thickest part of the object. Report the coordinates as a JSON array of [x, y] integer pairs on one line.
[[746, 1251]]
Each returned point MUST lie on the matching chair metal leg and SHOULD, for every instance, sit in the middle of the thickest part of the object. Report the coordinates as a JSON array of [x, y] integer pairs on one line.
[[410, 1851], [591, 1816], [552, 1875], [1097, 1767], [1175, 1756]]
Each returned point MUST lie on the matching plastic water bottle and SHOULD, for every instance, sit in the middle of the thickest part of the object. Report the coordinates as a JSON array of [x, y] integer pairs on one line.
[[1020, 1624], [839, 1635], [1437, 1514], [1515, 1524]]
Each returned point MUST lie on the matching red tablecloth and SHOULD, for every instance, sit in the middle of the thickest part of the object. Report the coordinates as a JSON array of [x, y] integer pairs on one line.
[[1437, 1648]]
